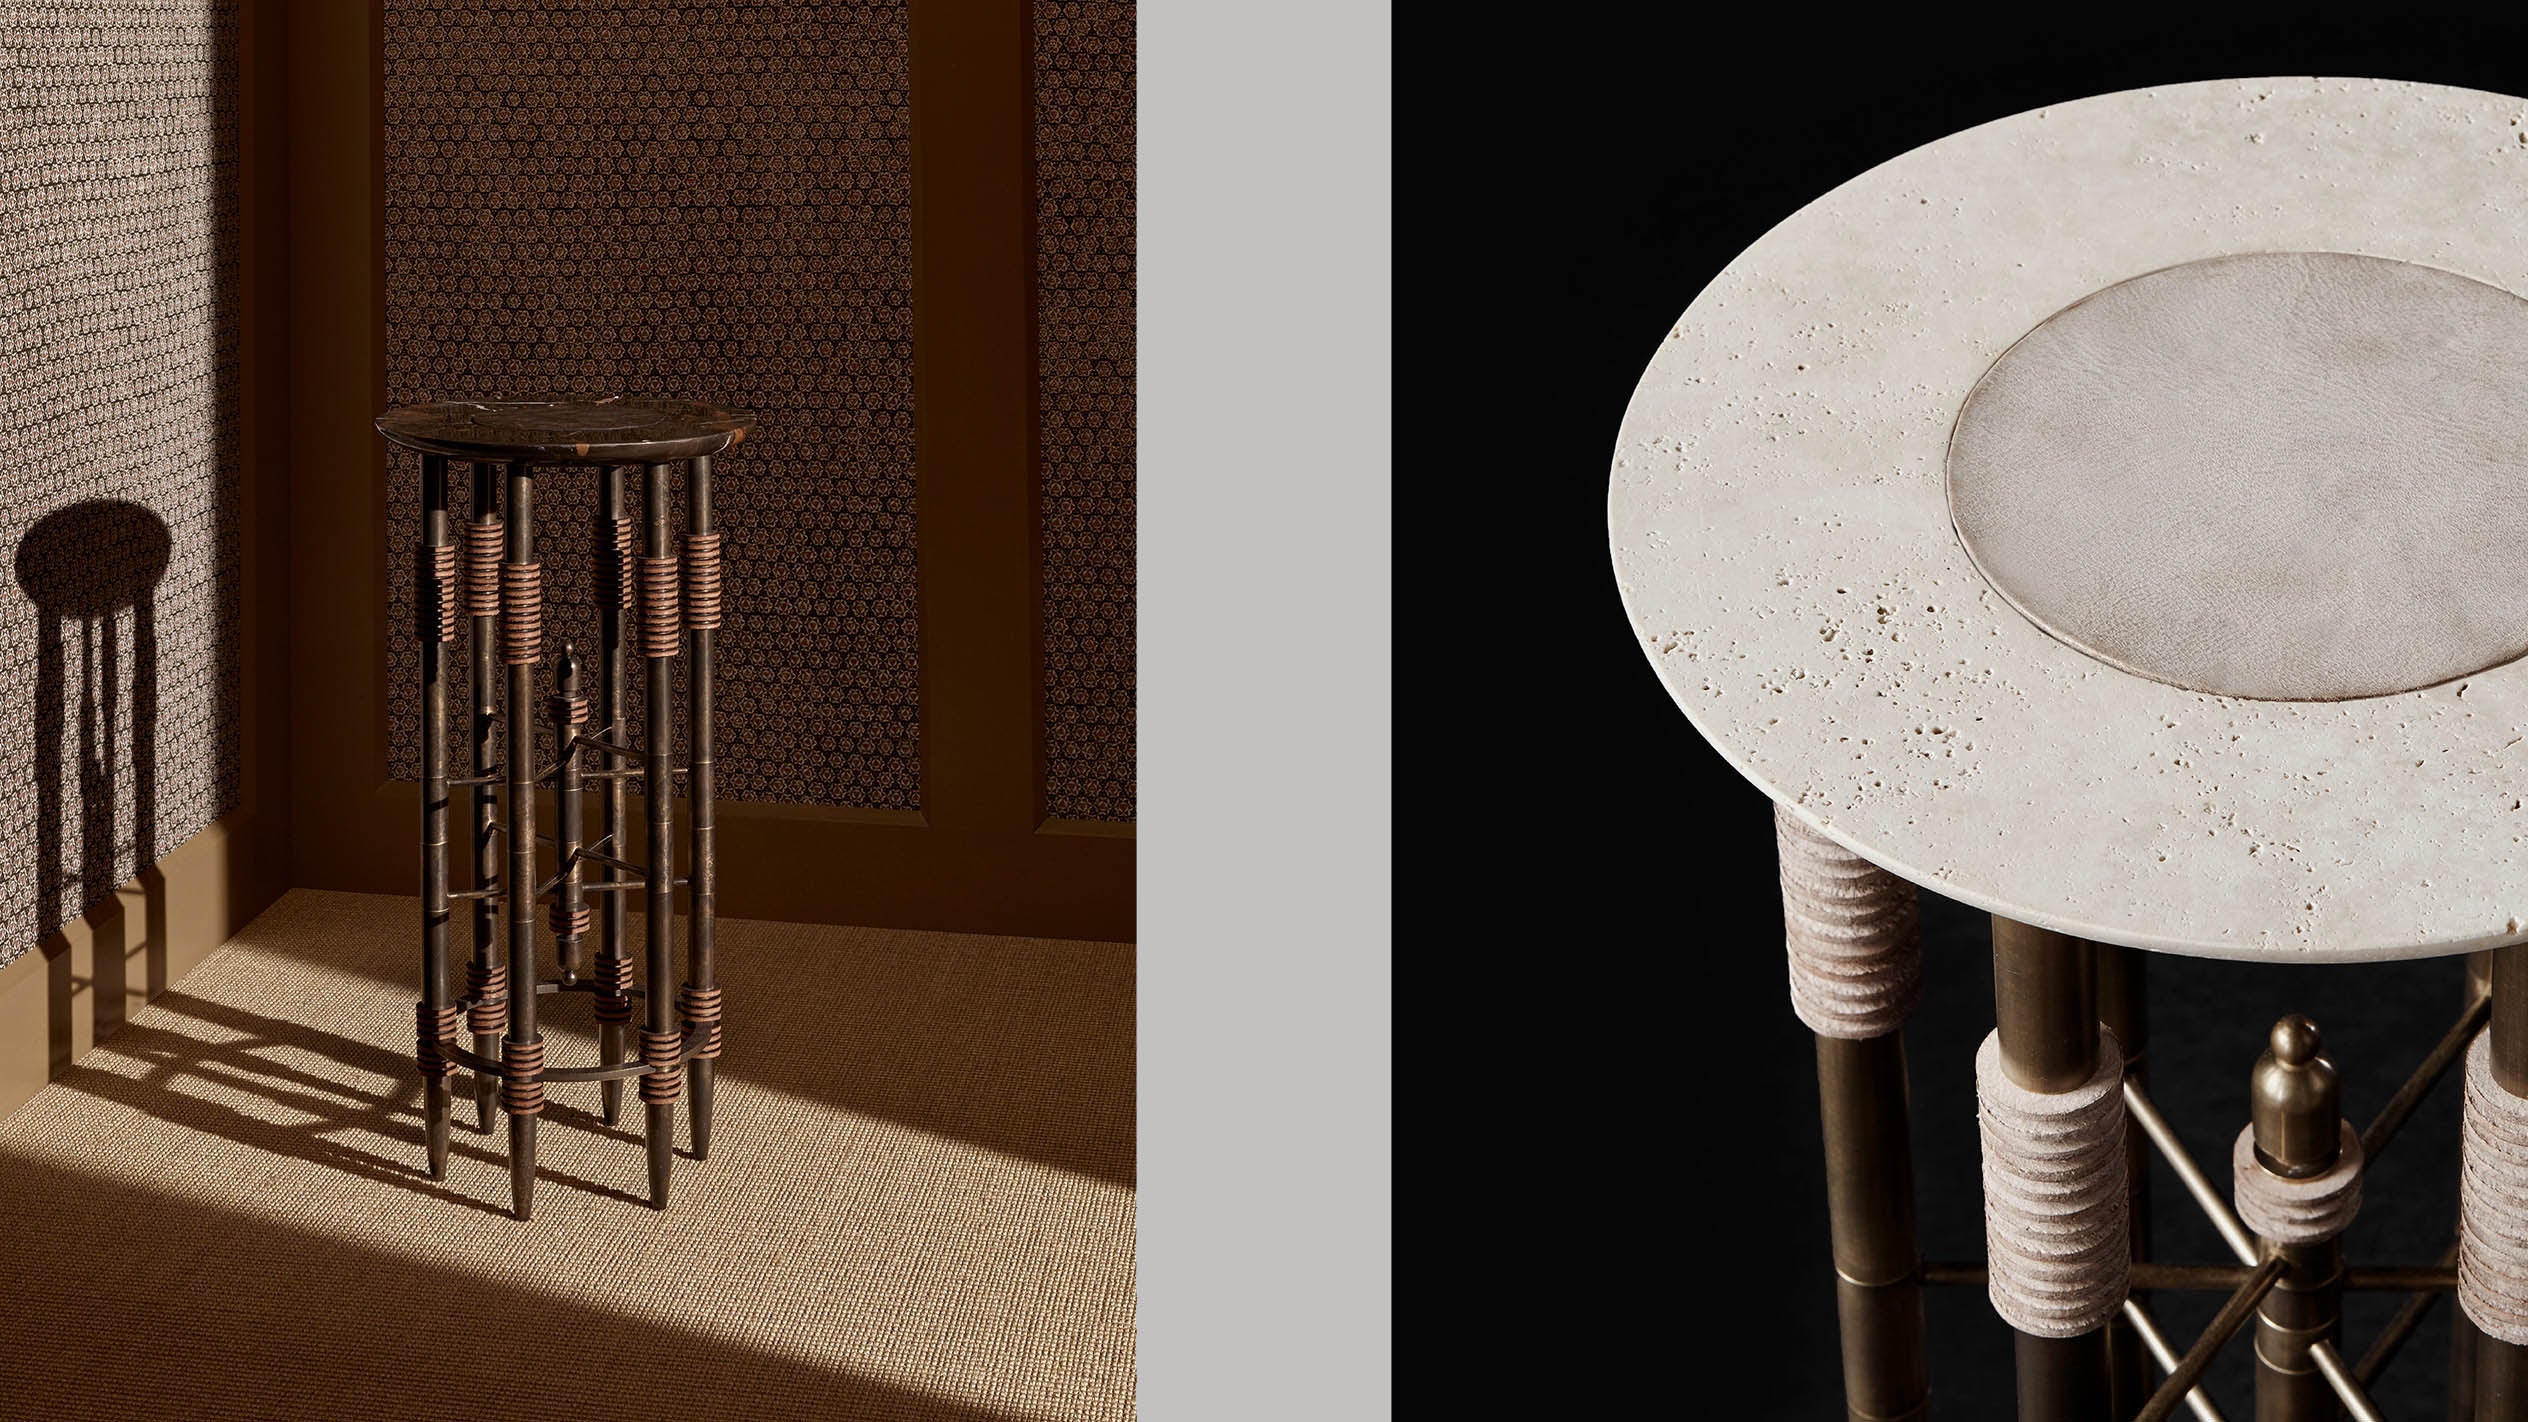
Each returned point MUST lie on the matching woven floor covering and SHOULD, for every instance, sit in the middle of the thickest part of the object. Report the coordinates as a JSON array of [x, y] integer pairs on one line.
[[919, 1201]]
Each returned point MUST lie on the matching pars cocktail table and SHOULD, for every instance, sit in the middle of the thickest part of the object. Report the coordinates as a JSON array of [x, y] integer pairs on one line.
[[658, 598], [2113, 517]]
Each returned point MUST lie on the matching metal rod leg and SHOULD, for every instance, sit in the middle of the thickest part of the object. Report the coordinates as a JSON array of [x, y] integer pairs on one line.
[[438, 1103], [434, 803], [522, 610], [569, 713], [2124, 1009], [660, 613], [1870, 1203], [2501, 1379], [2298, 1117], [702, 617], [484, 801], [613, 950], [2046, 1008]]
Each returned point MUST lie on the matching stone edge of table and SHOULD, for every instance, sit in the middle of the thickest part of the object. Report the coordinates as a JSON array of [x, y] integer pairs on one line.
[[448, 428]]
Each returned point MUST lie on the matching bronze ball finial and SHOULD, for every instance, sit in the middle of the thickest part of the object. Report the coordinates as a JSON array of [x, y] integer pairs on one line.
[[2294, 1041], [2297, 1101]]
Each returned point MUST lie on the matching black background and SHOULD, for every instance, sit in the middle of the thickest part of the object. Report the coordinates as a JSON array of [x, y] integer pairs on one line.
[[1568, 185]]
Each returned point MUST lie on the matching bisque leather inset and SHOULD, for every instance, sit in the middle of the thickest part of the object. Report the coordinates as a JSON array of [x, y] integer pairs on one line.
[[2291, 476]]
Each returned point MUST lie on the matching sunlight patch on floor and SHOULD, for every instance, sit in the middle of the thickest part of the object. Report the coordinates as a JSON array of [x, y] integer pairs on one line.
[[275, 1086]]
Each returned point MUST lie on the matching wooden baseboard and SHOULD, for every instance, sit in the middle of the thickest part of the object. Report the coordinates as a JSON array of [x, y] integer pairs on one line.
[[80, 984]]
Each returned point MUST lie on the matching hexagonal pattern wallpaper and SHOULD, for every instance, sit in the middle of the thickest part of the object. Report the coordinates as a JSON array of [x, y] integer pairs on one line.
[[1084, 355], [703, 201], [119, 654]]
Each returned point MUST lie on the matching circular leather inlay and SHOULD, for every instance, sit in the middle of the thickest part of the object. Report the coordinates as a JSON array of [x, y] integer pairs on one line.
[[2295, 476]]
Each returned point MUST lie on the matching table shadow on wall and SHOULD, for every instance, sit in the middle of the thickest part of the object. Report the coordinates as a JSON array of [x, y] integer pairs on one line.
[[92, 571]]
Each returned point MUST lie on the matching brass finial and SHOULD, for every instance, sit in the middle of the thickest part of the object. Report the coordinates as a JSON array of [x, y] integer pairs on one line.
[[2298, 1101]]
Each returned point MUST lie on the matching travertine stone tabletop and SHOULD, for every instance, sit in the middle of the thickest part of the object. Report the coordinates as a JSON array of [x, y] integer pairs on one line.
[[2243, 680]]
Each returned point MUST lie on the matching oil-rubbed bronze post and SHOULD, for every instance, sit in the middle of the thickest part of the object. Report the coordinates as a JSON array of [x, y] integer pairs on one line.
[[1852, 939], [2501, 1369], [2123, 1009], [660, 1041], [1861, 1088], [614, 600], [2045, 1005], [700, 999], [486, 977], [522, 616], [569, 712], [434, 583], [2181, 1379], [2296, 1111]]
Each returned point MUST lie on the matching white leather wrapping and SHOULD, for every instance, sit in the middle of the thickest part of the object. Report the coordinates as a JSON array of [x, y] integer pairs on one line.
[[2493, 1202], [1853, 932], [2056, 1245], [2309, 1210]]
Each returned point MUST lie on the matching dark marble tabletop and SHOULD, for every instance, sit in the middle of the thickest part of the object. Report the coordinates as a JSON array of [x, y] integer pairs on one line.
[[608, 430]]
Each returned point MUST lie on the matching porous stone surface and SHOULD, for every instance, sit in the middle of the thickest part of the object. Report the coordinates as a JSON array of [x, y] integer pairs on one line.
[[2286, 475], [1783, 541]]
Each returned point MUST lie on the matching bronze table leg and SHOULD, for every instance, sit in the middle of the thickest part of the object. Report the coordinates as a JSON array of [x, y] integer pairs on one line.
[[615, 543], [2124, 1010], [435, 584], [1861, 1090], [2046, 1007], [699, 1000], [486, 978], [661, 1043], [1852, 934], [522, 1054]]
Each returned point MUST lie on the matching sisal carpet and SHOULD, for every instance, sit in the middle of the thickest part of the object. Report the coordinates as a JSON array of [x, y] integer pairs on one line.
[[919, 1202]]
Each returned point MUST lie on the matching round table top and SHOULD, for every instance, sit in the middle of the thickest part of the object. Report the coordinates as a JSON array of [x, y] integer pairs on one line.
[[1787, 548], [602, 430]]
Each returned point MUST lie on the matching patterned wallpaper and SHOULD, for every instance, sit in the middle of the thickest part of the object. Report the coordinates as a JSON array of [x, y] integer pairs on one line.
[[118, 647], [1084, 353], [705, 201]]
